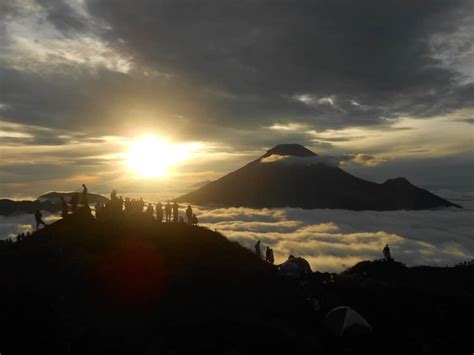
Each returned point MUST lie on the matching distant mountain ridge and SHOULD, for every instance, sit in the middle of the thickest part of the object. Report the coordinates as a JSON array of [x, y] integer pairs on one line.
[[50, 202], [56, 196], [307, 181]]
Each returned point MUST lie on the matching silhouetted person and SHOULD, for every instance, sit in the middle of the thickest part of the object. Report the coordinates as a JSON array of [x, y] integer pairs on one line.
[[269, 255], [181, 219], [128, 205], [387, 254], [38, 219], [258, 252], [159, 212], [189, 214], [149, 211], [84, 201], [140, 205], [98, 210], [168, 212], [113, 208], [74, 201], [194, 220], [64, 207], [175, 212]]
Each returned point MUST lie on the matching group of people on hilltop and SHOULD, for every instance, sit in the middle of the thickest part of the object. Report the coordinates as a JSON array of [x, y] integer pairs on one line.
[[75, 201], [118, 207], [19, 238], [269, 256]]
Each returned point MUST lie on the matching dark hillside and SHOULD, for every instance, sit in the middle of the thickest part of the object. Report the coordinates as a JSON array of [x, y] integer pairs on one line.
[[136, 286], [118, 286]]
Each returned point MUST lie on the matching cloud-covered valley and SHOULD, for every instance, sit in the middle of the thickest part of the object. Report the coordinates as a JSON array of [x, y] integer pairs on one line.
[[332, 240]]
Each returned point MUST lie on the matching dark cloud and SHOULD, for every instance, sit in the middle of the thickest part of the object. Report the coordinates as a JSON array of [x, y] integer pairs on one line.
[[30, 173], [214, 69], [63, 16], [259, 55], [457, 172], [20, 135]]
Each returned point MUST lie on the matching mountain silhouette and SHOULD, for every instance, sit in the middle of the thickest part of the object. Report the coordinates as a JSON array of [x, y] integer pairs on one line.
[[290, 175], [55, 197], [50, 202]]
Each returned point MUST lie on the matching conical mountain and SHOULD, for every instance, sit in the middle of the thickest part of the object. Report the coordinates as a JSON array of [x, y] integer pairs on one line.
[[290, 175]]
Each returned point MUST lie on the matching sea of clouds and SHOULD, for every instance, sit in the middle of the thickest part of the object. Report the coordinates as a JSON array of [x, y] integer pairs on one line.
[[332, 240]]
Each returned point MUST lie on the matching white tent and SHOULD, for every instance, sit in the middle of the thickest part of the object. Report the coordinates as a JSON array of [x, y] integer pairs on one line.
[[345, 321], [295, 267]]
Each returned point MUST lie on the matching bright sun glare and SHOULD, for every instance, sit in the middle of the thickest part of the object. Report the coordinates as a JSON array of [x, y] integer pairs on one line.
[[152, 157]]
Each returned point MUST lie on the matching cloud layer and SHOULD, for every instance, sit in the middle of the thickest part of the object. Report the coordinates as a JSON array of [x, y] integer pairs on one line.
[[333, 240]]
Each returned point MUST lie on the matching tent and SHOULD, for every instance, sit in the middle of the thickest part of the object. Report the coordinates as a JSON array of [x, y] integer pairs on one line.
[[345, 321], [295, 267]]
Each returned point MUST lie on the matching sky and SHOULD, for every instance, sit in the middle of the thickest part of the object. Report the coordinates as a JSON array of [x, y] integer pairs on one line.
[[384, 87]]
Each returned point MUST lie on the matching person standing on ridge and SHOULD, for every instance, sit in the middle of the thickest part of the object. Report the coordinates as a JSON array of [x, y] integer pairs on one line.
[[258, 252], [175, 212], [149, 212], [189, 214], [387, 254], [64, 207], [84, 200], [269, 258], [74, 201], [98, 210], [39, 220], [140, 205], [168, 212], [159, 212]]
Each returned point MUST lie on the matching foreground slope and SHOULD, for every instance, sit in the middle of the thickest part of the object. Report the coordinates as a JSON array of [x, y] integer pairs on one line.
[[83, 286], [135, 286], [289, 175]]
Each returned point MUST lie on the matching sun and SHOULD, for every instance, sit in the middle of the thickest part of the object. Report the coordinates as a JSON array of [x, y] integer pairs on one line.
[[152, 157]]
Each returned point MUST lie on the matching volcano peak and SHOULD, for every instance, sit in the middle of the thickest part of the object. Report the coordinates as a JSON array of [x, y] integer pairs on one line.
[[290, 149]]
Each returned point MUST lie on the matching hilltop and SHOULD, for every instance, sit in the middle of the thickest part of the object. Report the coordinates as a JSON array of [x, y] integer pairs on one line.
[[290, 175], [136, 286], [115, 286]]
